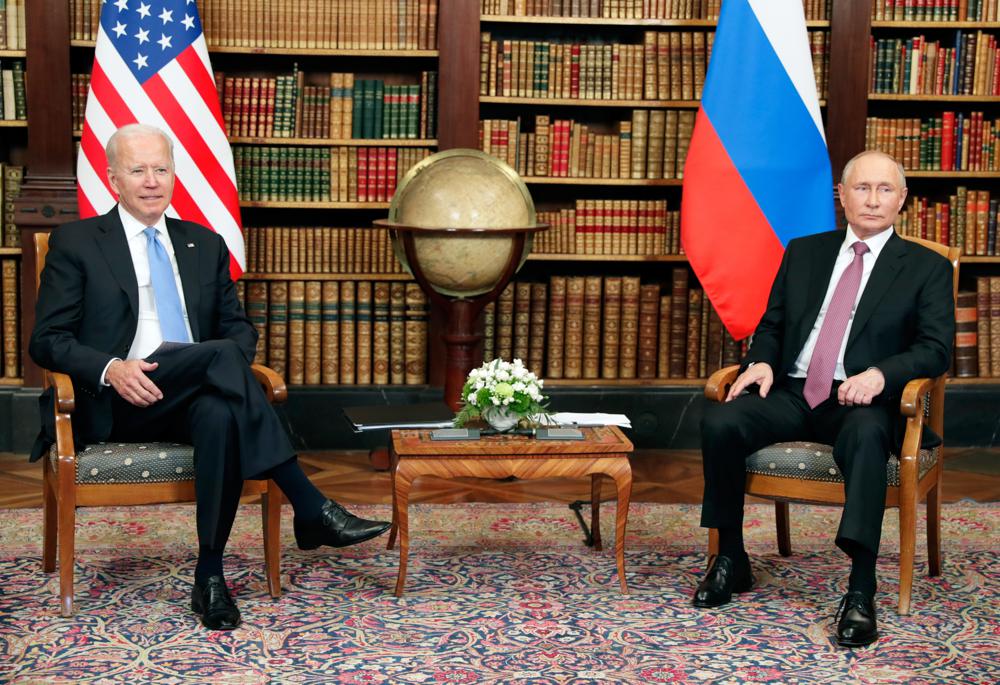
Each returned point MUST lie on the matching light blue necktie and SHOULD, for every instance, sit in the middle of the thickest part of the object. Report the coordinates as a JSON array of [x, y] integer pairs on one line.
[[168, 302]]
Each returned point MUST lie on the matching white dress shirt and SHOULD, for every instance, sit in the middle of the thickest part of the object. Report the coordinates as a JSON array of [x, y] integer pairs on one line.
[[147, 334], [844, 258]]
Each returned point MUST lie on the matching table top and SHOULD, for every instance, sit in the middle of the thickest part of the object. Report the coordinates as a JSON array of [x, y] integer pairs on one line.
[[597, 440]]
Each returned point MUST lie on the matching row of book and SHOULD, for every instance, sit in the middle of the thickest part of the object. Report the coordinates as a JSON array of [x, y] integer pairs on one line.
[[938, 10], [346, 107], [630, 9], [10, 316], [665, 66], [967, 220], [340, 332], [917, 66], [11, 176], [653, 144], [977, 338], [610, 227], [299, 24], [950, 142], [13, 103], [321, 174], [668, 65], [319, 249], [12, 33], [610, 327]]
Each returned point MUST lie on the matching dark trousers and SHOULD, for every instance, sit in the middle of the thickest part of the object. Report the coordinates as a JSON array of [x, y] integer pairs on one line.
[[860, 436], [212, 401]]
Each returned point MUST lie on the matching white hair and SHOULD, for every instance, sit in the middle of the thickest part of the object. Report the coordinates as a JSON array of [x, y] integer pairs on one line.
[[849, 167], [134, 131]]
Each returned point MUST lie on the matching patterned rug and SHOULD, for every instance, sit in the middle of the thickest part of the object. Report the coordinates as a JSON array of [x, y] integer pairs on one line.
[[495, 594]]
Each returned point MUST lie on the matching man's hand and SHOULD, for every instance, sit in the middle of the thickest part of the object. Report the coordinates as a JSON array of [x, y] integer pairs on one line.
[[129, 380], [861, 389], [760, 373]]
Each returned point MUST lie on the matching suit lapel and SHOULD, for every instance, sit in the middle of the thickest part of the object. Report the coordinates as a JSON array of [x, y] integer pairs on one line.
[[886, 269], [823, 260], [187, 264], [114, 245]]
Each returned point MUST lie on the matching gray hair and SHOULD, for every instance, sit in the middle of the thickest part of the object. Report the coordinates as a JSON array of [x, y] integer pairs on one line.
[[134, 131], [849, 167]]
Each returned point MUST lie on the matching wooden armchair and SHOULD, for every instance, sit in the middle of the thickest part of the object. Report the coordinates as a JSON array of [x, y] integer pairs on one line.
[[805, 472], [128, 474]]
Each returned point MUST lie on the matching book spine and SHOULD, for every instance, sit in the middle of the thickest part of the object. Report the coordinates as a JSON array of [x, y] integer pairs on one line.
[[415, 336], [592, 327], [629, 336], [363, 333]]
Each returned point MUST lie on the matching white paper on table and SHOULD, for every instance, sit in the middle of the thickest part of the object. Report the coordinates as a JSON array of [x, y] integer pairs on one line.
[[564, 418]]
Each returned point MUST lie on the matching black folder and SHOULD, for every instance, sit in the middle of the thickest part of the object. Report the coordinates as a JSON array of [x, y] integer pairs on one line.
[[416, 415]]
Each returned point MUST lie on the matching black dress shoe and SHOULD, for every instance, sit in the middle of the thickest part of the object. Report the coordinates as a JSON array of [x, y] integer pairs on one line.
[[856, 625], [722, 580], [336, 527], [211, 600]]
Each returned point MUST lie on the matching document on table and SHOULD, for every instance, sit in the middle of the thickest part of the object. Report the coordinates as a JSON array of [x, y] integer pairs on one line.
[[566, 418]]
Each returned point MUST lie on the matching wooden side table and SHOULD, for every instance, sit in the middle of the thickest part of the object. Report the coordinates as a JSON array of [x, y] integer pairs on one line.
[[603, 452]]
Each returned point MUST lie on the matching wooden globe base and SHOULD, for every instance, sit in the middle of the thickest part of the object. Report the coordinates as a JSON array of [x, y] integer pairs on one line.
[[460, 336]]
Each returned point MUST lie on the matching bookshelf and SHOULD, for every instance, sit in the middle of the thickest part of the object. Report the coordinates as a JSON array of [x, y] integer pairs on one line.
[[934, 96], [842, 30], [598, 292], [13, 145]]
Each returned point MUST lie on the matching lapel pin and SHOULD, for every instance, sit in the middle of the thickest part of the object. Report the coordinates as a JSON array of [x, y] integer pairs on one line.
[[190, 244]]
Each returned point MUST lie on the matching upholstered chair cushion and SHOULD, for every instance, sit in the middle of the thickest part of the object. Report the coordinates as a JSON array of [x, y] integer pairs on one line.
[[132, 462], [814, 461]]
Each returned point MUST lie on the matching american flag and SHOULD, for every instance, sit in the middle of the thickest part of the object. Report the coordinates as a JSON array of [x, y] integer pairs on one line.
[[151, 66]]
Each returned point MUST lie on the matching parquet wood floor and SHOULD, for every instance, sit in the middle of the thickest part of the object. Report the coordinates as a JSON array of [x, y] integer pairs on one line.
[[669, 476]]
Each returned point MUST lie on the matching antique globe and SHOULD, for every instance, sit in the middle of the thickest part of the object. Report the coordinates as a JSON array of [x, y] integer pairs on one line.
[[473, 197], [461, 223]]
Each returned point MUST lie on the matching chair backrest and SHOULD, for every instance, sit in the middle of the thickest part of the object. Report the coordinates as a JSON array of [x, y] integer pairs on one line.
[[41, 251], [952, 254]]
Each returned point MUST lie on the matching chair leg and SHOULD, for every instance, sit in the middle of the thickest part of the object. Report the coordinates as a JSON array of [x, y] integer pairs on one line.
[[934, 530], [713, 545], [270, 511], [783, 529], [67, 544], [907, 546], [50, 509]]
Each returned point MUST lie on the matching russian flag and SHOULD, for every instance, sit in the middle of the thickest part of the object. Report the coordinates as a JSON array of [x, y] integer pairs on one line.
[[757, 172]]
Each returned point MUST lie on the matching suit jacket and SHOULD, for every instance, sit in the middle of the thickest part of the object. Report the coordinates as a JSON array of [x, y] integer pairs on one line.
[[904, 323], [87, 310]]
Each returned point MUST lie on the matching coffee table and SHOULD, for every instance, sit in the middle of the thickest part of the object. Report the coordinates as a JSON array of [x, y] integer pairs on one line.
[[603, 452]]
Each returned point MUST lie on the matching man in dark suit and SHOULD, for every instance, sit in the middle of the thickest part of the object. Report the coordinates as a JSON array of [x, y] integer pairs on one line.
[[852, 316], [115, 291]]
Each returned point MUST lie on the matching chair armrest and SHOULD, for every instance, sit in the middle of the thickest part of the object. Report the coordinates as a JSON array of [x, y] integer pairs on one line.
[[65, 398], [913, 405], [914, 396], [272, 383], [719, 382]]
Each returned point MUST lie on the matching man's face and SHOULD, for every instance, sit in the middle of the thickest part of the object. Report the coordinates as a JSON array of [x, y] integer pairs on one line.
[[143, 177], [872, 196]]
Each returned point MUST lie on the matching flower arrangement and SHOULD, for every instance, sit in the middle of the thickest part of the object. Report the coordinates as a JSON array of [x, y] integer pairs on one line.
[[502, 394]]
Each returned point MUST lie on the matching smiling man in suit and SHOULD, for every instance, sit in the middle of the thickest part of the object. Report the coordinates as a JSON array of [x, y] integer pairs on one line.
[[115, 290], [852, 316]]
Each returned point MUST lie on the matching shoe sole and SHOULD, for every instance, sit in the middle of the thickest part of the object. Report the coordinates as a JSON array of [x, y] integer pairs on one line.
[[857, 643], [352, 542]]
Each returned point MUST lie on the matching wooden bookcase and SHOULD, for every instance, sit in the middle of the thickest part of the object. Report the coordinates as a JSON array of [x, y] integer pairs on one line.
[[49, 194]]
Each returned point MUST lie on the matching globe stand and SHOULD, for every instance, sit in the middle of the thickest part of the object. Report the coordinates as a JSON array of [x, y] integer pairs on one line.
[[460, 337]]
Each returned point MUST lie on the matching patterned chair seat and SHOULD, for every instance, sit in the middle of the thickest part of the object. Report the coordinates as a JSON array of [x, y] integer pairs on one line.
[[132, 462], [814, 461]]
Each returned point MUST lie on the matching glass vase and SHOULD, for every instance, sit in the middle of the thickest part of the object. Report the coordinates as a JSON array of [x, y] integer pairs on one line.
[[501, 419]]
